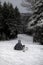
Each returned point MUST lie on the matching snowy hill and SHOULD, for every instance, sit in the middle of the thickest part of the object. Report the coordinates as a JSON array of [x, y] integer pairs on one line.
[[9, 56]]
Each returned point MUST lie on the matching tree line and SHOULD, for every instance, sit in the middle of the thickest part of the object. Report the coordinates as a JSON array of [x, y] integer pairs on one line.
[[36, 26], [10, 21]]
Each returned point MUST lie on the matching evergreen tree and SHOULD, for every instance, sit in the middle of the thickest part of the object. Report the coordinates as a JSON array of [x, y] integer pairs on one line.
[[18, 20], [38, 12], [5, 10], [38, 16], [17, 15], [1, 17], [10, 21]]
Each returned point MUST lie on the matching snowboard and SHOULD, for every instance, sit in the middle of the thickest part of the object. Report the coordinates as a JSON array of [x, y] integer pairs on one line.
[[25, 49]]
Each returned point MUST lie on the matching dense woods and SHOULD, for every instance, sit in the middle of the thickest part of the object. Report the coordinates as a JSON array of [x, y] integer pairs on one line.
[[35, 22], [9, 21], [12, 22], [38, 21]]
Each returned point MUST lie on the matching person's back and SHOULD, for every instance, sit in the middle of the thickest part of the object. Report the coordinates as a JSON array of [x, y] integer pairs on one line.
[[18, 46]]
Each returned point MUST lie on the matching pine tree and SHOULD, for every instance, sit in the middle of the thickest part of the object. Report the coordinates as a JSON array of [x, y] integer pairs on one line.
[[18, 20], [38, 13], [10, 21], [17, 15], [1, 17], [9, 27], [38, 16]]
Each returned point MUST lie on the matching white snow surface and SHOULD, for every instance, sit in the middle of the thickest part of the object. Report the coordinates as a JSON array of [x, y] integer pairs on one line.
[[32, 56]]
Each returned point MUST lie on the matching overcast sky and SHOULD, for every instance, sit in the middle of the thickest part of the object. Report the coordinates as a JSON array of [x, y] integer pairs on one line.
[[18, 4]]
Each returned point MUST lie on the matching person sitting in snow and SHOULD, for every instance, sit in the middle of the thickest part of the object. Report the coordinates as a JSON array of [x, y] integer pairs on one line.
[[19, 46]]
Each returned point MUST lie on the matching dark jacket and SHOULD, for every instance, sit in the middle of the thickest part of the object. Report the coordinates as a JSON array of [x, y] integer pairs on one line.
[[18, 46]]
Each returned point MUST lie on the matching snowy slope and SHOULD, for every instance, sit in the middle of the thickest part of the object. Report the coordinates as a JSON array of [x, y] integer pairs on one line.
[[9, 56]]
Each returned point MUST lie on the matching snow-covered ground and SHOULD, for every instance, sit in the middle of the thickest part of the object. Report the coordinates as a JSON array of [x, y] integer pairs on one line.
[[9, 56]]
